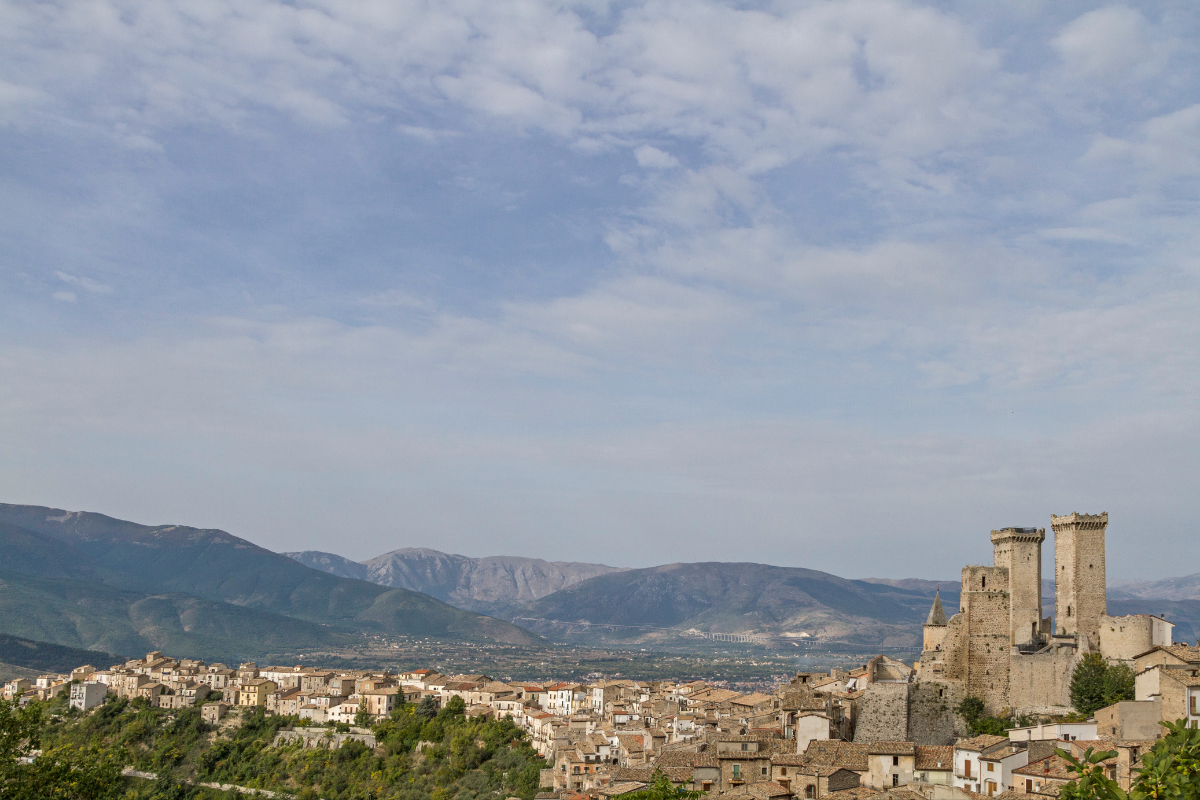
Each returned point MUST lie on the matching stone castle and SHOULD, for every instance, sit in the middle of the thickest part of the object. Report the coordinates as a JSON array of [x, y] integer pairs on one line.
[[1000, 648]]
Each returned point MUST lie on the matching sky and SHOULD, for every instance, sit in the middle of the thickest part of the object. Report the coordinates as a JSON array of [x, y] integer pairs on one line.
[[835, 285]]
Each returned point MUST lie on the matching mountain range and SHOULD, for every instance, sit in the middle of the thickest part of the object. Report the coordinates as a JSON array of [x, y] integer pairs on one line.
[[599, 604], [494, 584], [87, 580]]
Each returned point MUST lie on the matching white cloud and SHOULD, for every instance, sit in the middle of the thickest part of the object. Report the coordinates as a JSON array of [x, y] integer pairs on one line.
[[66, 297], [653, 158], [1104, 43]]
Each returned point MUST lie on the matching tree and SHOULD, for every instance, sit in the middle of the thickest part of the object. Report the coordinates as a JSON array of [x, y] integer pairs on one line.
[[661, 788], [1095, 684], [363, 718], [1118, 684], [1169, 771], [427, 708], [61, 773], [1088, 684]]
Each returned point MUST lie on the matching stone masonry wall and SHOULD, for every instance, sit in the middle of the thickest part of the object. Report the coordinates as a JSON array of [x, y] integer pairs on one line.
[[931, 716], [1041, 682], [883, 714], [1122, 638], [988, 613]]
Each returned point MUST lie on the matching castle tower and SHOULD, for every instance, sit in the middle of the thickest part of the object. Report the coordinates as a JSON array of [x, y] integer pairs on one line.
[[1019, 550], [935, 624], [1079, 575]]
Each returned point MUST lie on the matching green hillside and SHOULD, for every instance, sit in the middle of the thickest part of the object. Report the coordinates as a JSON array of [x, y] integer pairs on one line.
[[216, 565], [92, 616], [46, 657]]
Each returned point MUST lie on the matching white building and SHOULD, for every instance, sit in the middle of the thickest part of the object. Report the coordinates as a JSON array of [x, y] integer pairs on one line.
[[87, 695]]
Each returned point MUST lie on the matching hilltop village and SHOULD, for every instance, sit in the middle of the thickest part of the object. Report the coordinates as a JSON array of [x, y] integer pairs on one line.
[[883, 729]]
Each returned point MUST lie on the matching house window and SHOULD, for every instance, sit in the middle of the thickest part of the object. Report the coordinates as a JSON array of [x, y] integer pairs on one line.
[[895, 780], [737, 772], [984, 582], [745, 746], [895, 761], [764, 772], [967, 768], [783, 770], [991, 767], [810, 791], [706, 786]]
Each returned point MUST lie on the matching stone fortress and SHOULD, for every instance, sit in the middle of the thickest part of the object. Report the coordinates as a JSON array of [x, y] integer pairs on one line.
[[1000, 648]]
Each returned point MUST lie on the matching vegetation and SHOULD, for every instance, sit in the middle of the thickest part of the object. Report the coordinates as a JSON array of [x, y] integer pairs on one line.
[[64, 772], [971, 710], [1096, 684], [419, 755], [661, 788], [1170, 771]]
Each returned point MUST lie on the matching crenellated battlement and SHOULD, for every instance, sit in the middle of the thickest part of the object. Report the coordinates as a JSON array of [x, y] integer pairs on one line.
[[1079, 522]]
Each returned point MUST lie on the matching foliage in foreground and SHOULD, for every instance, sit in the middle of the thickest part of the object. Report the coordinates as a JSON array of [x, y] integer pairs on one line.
[[1170, 771], [460, 757]]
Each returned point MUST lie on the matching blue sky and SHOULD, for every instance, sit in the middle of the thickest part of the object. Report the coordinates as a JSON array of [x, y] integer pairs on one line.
[[837, 285]]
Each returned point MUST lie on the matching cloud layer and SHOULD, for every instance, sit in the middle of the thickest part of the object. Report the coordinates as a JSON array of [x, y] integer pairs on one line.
[[840, 285]]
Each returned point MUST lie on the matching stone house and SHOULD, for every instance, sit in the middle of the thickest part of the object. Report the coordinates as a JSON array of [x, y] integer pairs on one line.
[[934, 765], [890, 765], [211, 713], [380, 702]]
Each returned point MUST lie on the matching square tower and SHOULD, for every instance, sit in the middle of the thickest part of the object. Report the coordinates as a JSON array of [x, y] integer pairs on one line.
[[1019, 550], [1079, 575]]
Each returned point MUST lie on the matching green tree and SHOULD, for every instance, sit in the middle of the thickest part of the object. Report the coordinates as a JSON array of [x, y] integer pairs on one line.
[[661, 788], [1096, 684], [971, 710], [1169, 771], [427, 708], [363, 719], [1118, 684], [1089, 684], [60, 773]]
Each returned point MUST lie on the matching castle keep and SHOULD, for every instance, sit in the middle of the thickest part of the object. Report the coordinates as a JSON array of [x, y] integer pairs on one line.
[[1000, 648]]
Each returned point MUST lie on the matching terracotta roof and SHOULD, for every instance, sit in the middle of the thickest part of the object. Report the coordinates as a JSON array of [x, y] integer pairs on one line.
[[789, 759], [891, 748], [704, 760], [930, 757], [1051, 768], [643, 774], [836, 753], [762, 791], [979, 743]]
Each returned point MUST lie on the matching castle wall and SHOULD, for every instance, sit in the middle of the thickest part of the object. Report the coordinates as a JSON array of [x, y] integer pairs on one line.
[[883, 713], [1041, 682], [931, 716], [934, 635], [1122, 638], [987, 611]]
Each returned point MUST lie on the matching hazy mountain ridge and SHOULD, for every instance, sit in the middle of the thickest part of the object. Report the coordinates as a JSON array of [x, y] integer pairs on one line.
[[492, 584], [94, 550]]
